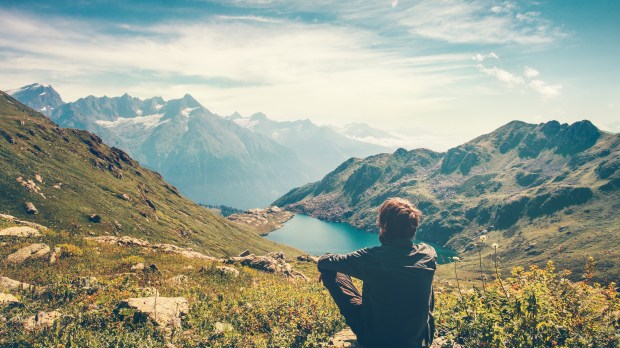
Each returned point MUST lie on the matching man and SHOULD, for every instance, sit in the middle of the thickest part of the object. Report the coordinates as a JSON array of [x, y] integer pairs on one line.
[[395, 309]]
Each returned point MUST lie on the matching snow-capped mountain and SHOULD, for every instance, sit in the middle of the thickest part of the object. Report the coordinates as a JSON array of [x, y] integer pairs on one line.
[[41, 98], [209, 158], [320, 147]]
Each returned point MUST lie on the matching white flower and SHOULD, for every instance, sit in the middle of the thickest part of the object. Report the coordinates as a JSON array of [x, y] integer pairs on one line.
[[483, 238], [495, 246], [456, 258]]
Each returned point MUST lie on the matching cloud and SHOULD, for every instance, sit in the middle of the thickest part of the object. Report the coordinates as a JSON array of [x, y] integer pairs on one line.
[[527, 80], [545, 89], [530, 72], [479, 58], [503, 75]]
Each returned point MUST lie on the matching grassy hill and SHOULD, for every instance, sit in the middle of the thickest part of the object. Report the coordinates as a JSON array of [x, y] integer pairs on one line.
[[76, 301], [80, 185], [543, 192]]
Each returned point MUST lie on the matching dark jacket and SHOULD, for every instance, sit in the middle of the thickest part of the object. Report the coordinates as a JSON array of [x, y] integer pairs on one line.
[[397, 296]]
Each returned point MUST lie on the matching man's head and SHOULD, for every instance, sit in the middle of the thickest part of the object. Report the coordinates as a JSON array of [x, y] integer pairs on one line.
[[398, 220]]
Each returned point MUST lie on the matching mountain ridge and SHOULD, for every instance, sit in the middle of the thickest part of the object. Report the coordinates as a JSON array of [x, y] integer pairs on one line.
[[77, 184], [544, 188]]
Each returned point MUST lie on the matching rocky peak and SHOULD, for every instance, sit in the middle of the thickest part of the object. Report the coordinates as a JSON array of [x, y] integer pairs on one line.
[[39, 97]]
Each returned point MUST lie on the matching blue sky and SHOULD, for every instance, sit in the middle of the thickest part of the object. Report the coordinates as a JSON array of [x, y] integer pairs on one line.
[[438, 71]]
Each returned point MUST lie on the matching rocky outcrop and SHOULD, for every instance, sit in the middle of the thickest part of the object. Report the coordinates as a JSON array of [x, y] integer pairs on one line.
[[15, 220], [43, 320], [32, 251], [262, 220], [162, 247], [8, 300], [162, 311], [20, 231], [8, 284], [228, 271], [270, 263]]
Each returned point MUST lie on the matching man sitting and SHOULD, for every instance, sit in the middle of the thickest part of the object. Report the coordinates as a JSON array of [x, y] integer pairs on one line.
[[395, 309]]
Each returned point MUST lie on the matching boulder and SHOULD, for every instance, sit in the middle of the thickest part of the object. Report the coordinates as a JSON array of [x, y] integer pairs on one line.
[[228, 271], [163, 311], [31, 209], [32, 251], [138, 267], [178, 280], [55, 255], [307, 258], [244, 253], [43, 320], [96, 218], [20, 231], [8, 300], [8, 284], [262, 263]]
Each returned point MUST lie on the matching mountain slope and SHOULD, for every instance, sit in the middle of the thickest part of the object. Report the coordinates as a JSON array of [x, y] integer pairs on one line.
[[44, 99], [548, 191], [319, 147], [70, 175], [210, 159]]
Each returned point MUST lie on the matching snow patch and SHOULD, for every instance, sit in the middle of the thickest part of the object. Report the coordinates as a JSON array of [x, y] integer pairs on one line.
[[159, 106], [185, 112], [143, 122], [139, 112], [246, 122], [43, 93]]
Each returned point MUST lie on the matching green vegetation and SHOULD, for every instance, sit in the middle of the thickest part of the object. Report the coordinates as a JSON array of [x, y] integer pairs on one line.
[[70, 175], [255, 309], [533, 308]]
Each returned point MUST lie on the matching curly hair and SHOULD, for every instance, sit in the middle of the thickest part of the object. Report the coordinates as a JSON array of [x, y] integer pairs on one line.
[[398, 219]]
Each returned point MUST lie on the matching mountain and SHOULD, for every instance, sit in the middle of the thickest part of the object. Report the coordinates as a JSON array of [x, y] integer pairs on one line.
[[320, 148], [209, 158], [44, 99], [546, 191], [80, 186]]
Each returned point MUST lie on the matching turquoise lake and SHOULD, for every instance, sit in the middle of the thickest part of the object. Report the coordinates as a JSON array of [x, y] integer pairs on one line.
[[318, 237]]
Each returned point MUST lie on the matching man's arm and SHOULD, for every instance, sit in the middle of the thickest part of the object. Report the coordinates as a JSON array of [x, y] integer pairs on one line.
[[351, 264]]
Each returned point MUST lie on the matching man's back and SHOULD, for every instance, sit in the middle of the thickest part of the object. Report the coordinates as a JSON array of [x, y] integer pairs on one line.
[[397, 292]]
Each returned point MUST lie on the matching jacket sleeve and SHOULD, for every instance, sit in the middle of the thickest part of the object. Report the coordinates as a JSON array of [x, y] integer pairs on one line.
[[350, 264]]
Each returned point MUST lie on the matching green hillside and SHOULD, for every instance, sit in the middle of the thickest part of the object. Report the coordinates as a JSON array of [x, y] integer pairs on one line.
[[543, 192], [80, 185]]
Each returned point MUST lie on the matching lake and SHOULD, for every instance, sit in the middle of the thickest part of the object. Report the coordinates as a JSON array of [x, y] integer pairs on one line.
[[318, 237]]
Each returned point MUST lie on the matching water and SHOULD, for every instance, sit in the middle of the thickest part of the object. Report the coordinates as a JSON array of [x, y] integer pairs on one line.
[[318, 237]]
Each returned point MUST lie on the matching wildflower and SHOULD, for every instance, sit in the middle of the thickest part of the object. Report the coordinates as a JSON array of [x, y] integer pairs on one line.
[[495, 246], [456, 258], [483, 238]]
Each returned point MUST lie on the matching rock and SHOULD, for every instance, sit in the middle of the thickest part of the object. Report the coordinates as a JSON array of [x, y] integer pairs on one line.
[[277, 255], [152, 268], [166, 248], [31, 209], [55, 255], [163, 311], [94, 218], [124, 196], [179, 280], [20, 231], [228, 271], [8, 284], [43, 320], [307, 258], [32, 251], [138, 267], [244, 253], [58, 186], [8, 300], [262, 263], [343, 338], [38, 178]]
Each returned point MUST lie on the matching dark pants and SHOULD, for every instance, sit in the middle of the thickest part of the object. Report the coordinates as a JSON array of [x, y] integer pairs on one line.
[[347, 298]]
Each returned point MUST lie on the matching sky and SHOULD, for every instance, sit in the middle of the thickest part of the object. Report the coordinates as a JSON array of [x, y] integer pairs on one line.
[[437, 72]]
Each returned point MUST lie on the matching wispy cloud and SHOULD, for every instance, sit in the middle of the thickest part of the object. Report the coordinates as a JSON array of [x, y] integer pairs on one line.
[[527, 79]]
